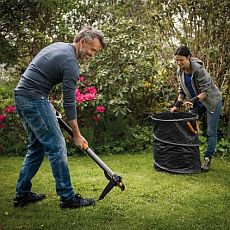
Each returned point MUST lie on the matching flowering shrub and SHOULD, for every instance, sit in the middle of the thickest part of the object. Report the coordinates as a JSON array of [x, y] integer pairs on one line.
[[90, 94], [13, 137], [99, 113], [100, 109], [88, 99], [3, 117]]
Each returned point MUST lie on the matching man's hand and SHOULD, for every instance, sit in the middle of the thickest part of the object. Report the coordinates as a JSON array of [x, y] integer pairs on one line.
[[79, 141]]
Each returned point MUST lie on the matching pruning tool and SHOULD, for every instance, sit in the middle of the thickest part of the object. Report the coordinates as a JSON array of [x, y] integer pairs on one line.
[[114, 179]]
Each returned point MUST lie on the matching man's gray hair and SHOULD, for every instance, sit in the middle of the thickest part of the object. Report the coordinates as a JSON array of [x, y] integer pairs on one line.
[[89, 33]]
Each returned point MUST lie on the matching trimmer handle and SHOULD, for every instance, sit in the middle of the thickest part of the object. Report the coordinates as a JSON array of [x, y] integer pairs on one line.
[[114, 179], [85, 146]]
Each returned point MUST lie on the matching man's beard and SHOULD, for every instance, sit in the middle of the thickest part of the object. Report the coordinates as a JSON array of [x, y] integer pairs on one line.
[[82, 55]]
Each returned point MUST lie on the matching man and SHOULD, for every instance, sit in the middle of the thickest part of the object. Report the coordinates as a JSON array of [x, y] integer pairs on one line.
[[56, 63]]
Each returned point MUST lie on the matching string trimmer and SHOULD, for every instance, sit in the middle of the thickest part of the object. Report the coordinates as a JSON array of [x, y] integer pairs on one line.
[[114, 179]]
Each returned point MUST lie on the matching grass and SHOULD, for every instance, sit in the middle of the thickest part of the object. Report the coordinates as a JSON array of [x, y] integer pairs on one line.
[[152, 200]]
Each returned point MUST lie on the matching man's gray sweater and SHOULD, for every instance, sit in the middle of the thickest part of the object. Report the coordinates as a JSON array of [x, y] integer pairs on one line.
[[54, 64]]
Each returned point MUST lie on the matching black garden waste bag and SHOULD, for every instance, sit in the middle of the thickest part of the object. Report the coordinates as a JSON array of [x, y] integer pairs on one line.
[[176, 143]]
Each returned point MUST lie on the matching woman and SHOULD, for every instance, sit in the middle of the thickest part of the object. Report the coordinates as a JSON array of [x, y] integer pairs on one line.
[[202, 95]]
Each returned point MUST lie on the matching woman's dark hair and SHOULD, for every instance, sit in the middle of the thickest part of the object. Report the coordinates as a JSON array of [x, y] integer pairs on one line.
[[183, 51]]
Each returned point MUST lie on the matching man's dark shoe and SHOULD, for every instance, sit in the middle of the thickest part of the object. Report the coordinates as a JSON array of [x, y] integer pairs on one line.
[[27, 198], [206, 164], [77, 202]]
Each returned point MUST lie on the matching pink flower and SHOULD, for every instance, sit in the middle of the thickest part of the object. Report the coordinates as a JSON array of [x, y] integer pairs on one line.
[[81, 78], [10, 109], [100, 109], [78, 92], [79, 96], [2, 117], [91, 90], [91, 94]]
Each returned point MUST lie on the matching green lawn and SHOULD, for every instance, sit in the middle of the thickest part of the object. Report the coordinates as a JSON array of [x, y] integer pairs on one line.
[[152, 200]]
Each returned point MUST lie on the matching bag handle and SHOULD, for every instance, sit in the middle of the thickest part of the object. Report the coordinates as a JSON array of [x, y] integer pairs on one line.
[[191, 127]]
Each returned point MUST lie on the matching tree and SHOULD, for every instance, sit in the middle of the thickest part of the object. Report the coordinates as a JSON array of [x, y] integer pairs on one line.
[[136, 72]]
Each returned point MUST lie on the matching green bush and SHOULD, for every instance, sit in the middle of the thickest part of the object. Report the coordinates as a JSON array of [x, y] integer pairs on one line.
[[223, 148], [13, 136]]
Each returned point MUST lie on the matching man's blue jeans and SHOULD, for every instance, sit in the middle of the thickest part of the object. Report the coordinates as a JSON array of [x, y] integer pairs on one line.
[[44, 137], [212, 126]]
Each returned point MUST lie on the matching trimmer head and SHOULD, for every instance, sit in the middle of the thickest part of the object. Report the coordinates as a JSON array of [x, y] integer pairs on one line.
[[113, 181]]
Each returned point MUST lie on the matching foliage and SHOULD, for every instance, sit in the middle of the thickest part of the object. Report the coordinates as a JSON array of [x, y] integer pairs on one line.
[[117, 135], [3, 117], [13, 137], [27, 26], [136, 72], [114, 135], [223, 148], [132, 77], [11, 142]]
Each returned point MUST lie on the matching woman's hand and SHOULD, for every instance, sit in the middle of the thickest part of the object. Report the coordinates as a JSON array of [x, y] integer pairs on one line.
[[188, 104], [173, 109]]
